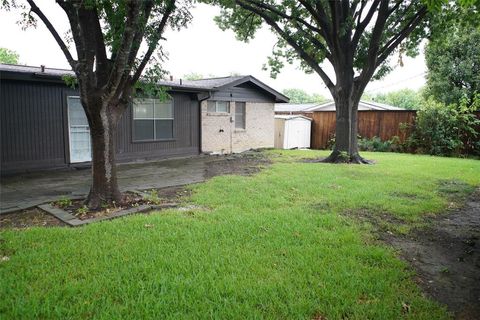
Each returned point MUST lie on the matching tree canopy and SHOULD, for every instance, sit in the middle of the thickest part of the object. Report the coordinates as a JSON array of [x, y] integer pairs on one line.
[[301, 96], [404, 98], [453, 57], [8, 56], [356, 38]]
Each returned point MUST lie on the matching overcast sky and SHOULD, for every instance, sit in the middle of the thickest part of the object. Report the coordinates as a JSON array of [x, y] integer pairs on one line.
[[201, 48]]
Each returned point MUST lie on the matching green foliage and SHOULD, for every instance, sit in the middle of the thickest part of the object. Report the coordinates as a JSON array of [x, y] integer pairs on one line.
[[70, 81], [374, 144], [445, 129], [277, 245], [300, 96], [8, 56], [453, 59], [152, 197], [295, 23], [82, 210], [148, 86], [404, 98], [63, 202]]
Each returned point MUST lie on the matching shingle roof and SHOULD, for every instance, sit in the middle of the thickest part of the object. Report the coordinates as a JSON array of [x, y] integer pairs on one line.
[[294, 107], [224, 82], [362, 106], [54, 72], [210, 84]]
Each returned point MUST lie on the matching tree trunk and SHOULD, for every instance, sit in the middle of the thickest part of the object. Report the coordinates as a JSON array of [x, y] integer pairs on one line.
[[103, 127], [346, 129]]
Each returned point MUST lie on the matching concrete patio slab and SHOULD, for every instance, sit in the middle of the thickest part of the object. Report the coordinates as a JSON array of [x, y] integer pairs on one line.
[[29, 190]]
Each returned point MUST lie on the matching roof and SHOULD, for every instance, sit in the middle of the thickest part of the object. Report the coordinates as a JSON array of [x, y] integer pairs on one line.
[[209, 84], [294, 107], [362, 106], [293, 116], [54, 72], [330, 106], [222, 83]]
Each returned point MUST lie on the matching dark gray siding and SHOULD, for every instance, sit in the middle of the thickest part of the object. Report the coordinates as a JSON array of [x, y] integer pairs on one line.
[[32, 125], [186, 139], [34, 133], [243, 92]]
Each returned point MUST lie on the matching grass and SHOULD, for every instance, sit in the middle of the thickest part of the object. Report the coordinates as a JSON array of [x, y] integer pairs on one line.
[[277, 245]]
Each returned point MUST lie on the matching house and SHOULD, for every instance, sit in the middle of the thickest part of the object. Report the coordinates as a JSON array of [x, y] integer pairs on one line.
[[43, 125], [288, 108]]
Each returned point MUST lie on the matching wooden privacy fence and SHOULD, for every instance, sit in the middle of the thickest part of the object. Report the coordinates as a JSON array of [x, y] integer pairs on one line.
[[382, 124]]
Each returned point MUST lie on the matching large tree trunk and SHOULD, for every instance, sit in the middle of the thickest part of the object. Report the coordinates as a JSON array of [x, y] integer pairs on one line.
[[103, 127], [346, 130]]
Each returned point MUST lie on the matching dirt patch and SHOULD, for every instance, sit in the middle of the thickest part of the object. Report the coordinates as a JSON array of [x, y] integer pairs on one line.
[[173, 194], [245, 164], [446, 256], [78, 209], [28, 218], [312, 160]]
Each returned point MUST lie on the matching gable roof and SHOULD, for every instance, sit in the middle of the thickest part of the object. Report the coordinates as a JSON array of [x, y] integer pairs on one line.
[[294, 107], [223, 83], [209, 84], [292, 116], [330, 106]]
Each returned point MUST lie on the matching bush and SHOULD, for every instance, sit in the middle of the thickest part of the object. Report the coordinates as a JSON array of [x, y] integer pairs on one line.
[[448, 130], [374, 144]]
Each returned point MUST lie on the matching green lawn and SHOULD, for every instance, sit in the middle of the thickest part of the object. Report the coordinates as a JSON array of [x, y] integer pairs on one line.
[[283, 244]]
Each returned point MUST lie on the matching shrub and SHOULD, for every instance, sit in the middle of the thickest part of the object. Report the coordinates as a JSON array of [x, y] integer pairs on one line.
[[374, 144], [446, 130]]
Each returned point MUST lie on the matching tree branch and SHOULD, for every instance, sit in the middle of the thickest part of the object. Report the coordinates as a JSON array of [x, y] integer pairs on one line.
[[54, 33], [362, 25], [400, 36], [120, 64], [304, 55], [154, 43]]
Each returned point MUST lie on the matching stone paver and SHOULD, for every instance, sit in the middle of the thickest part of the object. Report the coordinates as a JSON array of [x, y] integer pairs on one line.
[[28, 190]]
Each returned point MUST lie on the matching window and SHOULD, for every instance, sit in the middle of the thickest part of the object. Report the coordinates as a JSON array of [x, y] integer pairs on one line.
[[152, 120], [218, 107], [240, 115]]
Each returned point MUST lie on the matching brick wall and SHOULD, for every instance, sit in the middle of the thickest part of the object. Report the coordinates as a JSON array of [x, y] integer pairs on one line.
[[220, 136]]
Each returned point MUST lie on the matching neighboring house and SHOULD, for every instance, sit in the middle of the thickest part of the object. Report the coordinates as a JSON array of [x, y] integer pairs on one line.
[[287, 108], [43, 124]]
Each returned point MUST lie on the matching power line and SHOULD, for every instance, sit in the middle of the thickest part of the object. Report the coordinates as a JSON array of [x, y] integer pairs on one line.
[[394, 84]]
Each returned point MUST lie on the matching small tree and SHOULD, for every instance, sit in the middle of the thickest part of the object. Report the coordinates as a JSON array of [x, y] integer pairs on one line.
[[355, 37], [8, 56], [453, 57], [403, 98], [300, 96], [107, 37]]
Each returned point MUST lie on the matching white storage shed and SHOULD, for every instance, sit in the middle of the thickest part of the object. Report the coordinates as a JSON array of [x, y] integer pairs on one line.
[[292, 132]]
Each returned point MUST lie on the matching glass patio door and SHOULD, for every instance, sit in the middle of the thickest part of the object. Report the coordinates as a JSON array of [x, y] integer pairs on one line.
[[79, 132]]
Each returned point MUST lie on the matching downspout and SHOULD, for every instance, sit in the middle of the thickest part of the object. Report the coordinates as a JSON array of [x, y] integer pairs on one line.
[[201, 98]]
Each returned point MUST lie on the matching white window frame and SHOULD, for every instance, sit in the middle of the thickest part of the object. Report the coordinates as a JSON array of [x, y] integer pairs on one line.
[[216, 102], [244, 115], [152, 119]]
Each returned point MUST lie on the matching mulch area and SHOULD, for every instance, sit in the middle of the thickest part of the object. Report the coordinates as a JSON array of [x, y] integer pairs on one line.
[[244, 164], [29, 218]]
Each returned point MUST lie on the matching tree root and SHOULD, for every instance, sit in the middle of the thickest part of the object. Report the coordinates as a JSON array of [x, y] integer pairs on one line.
[[343, 157], [96, 201]]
